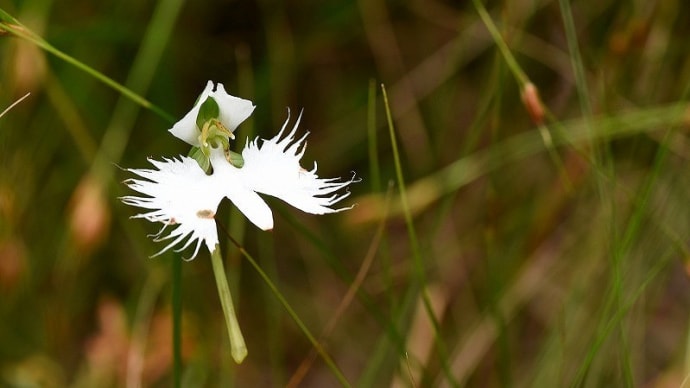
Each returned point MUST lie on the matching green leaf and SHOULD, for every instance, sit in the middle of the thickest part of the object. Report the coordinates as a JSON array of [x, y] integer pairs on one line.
[[235, 159]]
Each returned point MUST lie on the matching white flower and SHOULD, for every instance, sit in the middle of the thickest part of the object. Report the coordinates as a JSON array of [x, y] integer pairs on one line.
[[178, 193], [233, 111]]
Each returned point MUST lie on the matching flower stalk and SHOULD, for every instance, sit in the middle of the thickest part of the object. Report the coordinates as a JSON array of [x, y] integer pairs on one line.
[[238, 348]]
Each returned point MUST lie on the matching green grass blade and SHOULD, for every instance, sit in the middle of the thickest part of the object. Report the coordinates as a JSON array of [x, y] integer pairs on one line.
[[425, 191], [12, 26], [418, 265]]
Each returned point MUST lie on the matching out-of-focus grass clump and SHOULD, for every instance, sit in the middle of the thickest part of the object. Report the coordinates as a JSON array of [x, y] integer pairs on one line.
[[551, 248]]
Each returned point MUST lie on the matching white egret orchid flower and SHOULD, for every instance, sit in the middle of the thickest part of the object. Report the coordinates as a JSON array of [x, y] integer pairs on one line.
[[179, 193]]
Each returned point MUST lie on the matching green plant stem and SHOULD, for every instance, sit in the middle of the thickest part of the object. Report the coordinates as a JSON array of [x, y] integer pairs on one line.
[[502, 46], [238, 348], [523, 81]]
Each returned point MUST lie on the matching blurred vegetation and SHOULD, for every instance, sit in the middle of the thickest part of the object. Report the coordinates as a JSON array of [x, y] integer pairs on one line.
[[552, 248]]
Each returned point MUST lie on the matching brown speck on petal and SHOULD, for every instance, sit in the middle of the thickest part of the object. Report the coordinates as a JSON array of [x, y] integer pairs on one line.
[[205, 214]]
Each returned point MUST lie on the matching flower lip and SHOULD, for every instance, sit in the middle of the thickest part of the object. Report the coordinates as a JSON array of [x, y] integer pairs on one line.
[[233, 111]]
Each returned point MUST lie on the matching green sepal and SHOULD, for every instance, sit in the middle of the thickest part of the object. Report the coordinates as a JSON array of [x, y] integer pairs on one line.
[[235, 159], [203, 160], [207, 111]]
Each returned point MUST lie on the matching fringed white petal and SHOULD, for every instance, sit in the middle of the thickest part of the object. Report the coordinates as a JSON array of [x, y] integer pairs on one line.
[[179, 194], [273, 168], [233, 111]]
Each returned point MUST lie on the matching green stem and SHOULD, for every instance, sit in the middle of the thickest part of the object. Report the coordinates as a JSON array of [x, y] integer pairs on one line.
[[502, 46], [238, 348]]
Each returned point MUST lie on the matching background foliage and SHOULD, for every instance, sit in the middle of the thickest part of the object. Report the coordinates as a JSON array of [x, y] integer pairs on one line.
[[550, 254]]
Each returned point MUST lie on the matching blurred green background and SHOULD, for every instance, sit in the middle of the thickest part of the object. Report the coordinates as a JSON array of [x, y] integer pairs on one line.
[[551, 254]]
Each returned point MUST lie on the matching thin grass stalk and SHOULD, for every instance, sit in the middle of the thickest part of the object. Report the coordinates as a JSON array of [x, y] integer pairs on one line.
[[634, 225], [616, 319], [14, 104], [377, 186], [464, 170], [275, 337], [364, 297], [502, 46], [140, 76], [615, 297], [291, 312], [363, 271], [576, 62], [10, 25], [524, 82], [418, 264]]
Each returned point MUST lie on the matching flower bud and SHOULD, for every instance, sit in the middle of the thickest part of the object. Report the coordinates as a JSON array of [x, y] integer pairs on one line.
[[535, 108]]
